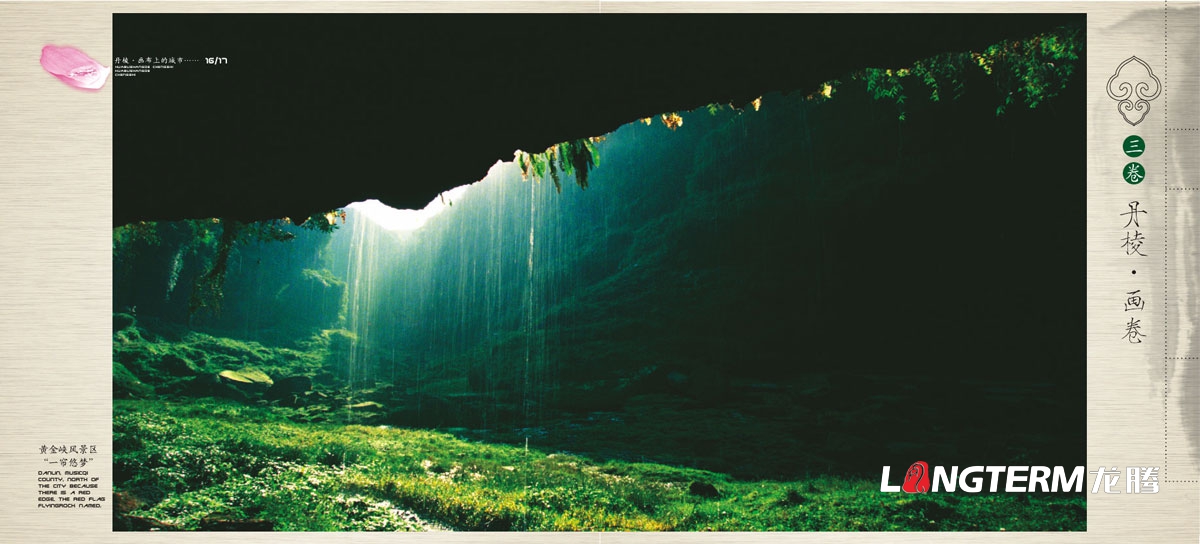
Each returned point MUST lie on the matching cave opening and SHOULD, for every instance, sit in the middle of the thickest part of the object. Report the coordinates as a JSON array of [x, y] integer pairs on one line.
[[762, 298]]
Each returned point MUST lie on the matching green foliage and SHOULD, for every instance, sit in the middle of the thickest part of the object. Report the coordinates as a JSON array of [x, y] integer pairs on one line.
[[323, 277], [212, 241], [126, 385], [573, 158], [331, 345], [325, 222], [207, 293], [1035, 70], [941, 74], [886, 84], [149, 362], [143, 232], [250, 462], [193, 238]]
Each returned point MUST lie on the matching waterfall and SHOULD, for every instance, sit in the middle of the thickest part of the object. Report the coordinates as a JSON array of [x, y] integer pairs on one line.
[[176, 267], [360, 284], [529, 303]]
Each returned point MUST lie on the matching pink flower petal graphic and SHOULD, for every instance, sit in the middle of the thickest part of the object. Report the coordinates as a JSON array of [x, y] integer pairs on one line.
[[74, 67]]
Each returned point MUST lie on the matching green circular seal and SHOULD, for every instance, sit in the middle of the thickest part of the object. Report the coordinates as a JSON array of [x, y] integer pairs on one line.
[[1133, 173], [1134, 146]]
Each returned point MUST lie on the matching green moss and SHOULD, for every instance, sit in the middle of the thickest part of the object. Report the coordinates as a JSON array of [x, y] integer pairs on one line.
[[126, 385], [250, 462], [323, 277], [172, 363]]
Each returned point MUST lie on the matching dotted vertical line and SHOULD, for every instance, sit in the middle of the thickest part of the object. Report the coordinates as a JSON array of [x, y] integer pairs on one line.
[[1166, 252]]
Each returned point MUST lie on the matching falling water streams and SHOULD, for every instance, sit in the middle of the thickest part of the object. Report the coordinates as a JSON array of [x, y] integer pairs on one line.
[[529, 303], [361, 263]]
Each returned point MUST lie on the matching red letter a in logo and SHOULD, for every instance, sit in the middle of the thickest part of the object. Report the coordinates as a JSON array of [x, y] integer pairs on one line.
[[916, 480]]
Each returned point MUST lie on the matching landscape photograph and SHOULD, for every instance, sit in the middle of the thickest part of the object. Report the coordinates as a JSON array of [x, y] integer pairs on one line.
[[596, 273]]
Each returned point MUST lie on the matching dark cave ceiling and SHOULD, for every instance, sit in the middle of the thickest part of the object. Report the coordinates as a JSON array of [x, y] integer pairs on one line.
[[313, 112]]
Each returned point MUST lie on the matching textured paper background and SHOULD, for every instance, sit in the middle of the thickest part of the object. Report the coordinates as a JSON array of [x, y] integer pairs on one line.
[[55, 268]]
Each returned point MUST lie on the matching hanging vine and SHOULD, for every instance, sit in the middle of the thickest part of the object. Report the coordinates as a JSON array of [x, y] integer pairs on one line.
[[573, 158], [208, 290], [1028, 71]]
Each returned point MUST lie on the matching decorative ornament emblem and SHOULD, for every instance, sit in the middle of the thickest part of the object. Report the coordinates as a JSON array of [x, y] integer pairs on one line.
[[1133, 86]]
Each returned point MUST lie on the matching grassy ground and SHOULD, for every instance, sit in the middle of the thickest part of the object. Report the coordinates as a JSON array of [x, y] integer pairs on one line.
[[186, 461]]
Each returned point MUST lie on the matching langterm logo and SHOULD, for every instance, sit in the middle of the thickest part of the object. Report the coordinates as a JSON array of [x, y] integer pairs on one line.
[[916, 480], [975, 479]]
